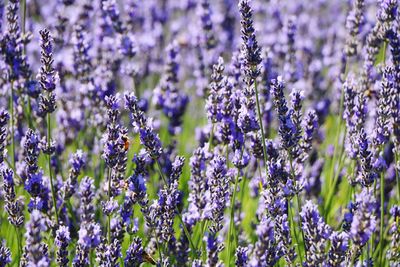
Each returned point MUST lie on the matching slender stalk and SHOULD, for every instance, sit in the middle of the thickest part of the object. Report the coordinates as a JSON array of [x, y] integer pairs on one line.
[[396, 156], [158, 248], [261, 126], [381, 234], [12, 124], [298, 209], [339, 128], [23, 24], [53, 193], [19, 243], [211, 138], [334, 158], [292, 224], [24, 21], [382, 187], [232, 211], [203, 227], [242, 192], [331, 191], [232, 215], [109, 215]]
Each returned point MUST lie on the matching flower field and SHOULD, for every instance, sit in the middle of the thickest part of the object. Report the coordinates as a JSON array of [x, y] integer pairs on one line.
[[199, 133]]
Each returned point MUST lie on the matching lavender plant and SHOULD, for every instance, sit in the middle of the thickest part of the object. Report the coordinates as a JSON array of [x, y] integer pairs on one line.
[[287, 113]]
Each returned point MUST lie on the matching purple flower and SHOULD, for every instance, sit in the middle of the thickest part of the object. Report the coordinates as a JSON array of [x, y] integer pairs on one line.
[[208, 37], [241, 256], [368, 173], [316, 234], [35, 251], [61, 241], [89, 235], [31, 152], [354, 22], [168, 97], [339, 247], [111, 9], [86, 193], [214, 247], [250, 48], [82, 60], [13, 206], [12, 44], [284, 238], [296, 114], [108, 254], [197, 186], [5, 255], [109, 206], [218, 183], [39, 192], [217, 85], [386, 95], [47, 76], [77, 162], [168, 201], [134, 254], [287, 129], [247, 120], [310, 129], [148, 137], [393, 253], [240, 159], [364, 221], [265, 251], [4, 117]]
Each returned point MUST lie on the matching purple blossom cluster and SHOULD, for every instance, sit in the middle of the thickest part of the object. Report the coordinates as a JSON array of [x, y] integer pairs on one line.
[[199, 133]]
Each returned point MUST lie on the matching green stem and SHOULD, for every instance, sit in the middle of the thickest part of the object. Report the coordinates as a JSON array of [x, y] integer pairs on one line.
[[382, 187], [53, 194], [12, 124], [19, 243], [396, 156], [332, 189], [211, 138], [29, 113], [261, 126], [381, 234], [232, 211], [293, 226], [298, 210], [158, 248], [334, 158], [24, 22], [232, 215], [203, 228], [332, 171], [109, 215]]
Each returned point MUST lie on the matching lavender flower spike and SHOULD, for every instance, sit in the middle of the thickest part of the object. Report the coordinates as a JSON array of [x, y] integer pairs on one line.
[[5, 255], [316, 234], [4, 117], [48, 76], [35, 251], [141, 124], [62, 240]]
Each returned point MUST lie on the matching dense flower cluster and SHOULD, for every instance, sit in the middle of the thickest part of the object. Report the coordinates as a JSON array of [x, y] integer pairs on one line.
[[199, 133]]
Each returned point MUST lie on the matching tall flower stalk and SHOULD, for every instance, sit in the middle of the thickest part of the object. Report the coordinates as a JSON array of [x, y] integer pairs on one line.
[[47, 100]]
